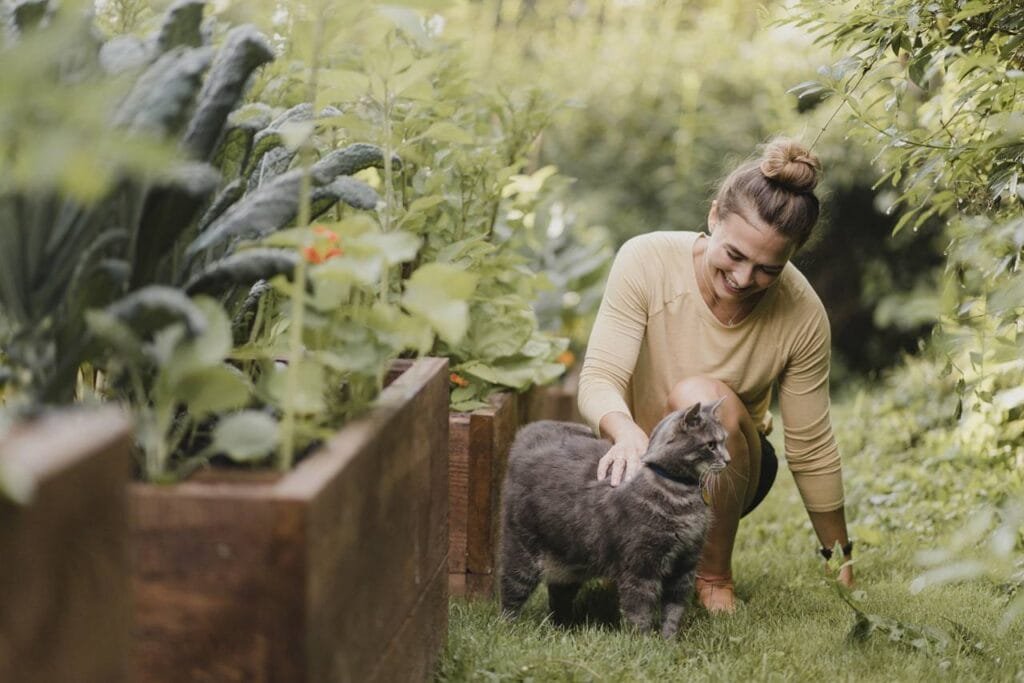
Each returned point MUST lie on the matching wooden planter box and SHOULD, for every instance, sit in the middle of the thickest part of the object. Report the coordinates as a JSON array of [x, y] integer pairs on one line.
[[334, 571], [478, 454], [64, 586]]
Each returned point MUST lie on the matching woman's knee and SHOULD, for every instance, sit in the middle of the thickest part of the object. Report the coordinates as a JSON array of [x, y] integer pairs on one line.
[[701, 389]]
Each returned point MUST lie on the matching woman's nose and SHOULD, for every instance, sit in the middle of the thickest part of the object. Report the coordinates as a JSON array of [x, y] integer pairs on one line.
[[743, 275]]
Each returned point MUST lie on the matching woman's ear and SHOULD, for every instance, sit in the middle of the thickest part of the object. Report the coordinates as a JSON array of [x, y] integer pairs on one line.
[[713, 216]]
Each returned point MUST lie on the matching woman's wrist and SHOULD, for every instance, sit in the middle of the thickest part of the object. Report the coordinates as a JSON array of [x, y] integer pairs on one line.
[[618, 427], [846, 549]]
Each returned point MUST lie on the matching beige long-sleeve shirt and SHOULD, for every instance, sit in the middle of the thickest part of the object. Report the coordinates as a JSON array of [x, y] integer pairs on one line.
[[654, 329]]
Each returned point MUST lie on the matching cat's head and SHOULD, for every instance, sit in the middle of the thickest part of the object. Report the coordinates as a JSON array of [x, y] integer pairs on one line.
[[688, 443]]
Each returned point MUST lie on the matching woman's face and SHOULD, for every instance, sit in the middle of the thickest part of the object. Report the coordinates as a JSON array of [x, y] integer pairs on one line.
[[744, 256]]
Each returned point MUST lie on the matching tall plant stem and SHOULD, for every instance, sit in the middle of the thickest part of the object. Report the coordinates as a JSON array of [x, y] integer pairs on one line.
[[286, 454], [387, 107]]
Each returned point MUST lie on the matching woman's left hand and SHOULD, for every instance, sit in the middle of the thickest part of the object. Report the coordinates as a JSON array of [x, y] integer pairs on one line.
[[845, 573]]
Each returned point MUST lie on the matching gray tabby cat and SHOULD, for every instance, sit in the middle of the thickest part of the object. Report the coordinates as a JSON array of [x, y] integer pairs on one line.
[[560, 523]]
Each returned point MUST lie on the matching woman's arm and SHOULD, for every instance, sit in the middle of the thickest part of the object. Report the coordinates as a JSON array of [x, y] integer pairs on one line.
[[612, 351], [811, 451]]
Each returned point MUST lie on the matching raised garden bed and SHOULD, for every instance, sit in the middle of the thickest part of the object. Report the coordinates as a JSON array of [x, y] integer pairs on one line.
[[64, 580], [335, 571]]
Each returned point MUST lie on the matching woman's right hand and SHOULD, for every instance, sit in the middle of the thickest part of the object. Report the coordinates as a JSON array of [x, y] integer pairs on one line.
[[630, 443]]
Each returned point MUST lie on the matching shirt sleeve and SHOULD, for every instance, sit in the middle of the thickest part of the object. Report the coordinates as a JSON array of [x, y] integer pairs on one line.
[[811, 450], [615, 338]]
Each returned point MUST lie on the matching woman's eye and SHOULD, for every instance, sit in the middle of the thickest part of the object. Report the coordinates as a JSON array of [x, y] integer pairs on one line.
[[734, 257]]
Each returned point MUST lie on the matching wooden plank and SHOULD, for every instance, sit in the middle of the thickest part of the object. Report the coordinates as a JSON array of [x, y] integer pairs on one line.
[[458, 489], [491, 434], [64, 581]]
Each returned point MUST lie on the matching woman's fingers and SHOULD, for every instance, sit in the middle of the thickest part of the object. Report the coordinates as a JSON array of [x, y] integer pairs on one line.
[[603, 464], [618, 467]]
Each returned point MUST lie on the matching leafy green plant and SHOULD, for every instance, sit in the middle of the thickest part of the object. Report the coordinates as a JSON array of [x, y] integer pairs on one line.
[[121, 265], [935, 83], [398, 83], [539, 220]]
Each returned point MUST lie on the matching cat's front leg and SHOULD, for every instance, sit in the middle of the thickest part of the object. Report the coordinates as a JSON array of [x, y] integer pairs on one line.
[[677, 592], [638, 598], [520, 569]]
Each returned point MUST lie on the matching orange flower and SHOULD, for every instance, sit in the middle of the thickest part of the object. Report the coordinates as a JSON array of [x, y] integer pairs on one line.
[[312, 255], [326, 233], [333, 251], [458, 380], [566, 358]]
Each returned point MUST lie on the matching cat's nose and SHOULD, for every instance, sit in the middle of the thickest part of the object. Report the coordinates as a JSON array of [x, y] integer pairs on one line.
[[725, 456]]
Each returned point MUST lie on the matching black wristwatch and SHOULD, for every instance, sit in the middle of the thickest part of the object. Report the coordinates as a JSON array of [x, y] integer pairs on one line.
[[827, 552]]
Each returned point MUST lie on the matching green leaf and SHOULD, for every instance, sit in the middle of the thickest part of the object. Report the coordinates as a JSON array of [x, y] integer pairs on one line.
[[401, 331], [116, 335], [246, 436], [243, 268], [424, 203], [439, 293], [161, 97], [445, 131], [181, 25], [151, 308], [519, 375], [394, 247], [208, 349], [489, 339], [341, 85], [351, 160], [244, 50], [214, 390], [308, 397]]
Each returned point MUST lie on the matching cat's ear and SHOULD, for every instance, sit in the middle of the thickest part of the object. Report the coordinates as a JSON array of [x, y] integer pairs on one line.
[[691, 418], [716, 405]]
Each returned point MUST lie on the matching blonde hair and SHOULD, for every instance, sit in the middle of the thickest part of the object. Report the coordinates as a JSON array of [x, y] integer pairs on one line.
[[778, 187]]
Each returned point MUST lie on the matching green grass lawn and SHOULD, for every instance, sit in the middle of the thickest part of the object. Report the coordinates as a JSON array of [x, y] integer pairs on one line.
[[792, 625]]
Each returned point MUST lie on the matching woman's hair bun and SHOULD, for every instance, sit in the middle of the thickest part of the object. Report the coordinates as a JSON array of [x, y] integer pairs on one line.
[[791, 165]]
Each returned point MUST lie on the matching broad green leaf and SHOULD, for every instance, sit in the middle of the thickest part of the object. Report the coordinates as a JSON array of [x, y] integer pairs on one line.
[[394, 247], [365, 271], [246, 436], [181, 25], [341, 85], [424, 203], [294, 134], [310, 385], [206, 350], [518, 375], [243, 268], [489, 339], [116, 335], [401, 331], [214, 390], [243, 51], [445, 131], [439, 293]]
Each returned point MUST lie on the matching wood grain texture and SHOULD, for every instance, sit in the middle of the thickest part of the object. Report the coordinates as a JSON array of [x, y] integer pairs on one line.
[[64, 588], [313, 575], [478, 456]]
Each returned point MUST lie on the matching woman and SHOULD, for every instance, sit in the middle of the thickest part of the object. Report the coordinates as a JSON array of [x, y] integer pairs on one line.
[[690, 317]]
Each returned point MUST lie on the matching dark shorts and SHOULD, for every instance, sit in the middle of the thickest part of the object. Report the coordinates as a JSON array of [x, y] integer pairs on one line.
[[769, 468]]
